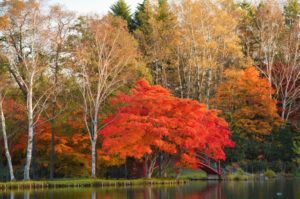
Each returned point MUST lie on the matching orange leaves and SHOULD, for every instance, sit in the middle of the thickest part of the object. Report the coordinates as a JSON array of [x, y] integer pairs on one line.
[[151, 120], [246, 101], [3, 22]]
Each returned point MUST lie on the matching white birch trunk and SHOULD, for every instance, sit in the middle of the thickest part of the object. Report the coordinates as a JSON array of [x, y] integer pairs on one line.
[[283, 113], [93, 171], [7, 154], [94, 137], [30, 135], [151, 166]]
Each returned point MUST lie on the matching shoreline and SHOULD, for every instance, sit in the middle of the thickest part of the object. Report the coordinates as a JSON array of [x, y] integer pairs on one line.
[[95, 183], [82, 183]]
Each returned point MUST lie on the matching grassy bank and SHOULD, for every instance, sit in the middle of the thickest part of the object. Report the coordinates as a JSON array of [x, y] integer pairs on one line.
[[75, 183], [267, 175], [188, 174]]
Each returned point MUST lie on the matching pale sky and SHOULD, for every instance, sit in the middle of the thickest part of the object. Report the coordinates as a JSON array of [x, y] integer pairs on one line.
[[101, 7], [92, 6]]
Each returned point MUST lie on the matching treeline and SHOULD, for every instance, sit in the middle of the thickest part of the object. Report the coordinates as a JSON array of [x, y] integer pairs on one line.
[[59, 73]]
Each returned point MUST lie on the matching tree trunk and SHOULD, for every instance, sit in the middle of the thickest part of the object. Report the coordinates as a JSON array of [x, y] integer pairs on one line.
[[125, 169], [164, 76], [208, 87], [7, 154], [149, 174], [93, 172], [159, 164], [30, 135], [198, 86], [150, 165], [52, 153], [283, 113], [180, 80]]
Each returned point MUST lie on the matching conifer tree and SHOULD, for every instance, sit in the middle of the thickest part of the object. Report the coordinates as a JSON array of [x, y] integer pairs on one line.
[[157, 37], [121, 9]]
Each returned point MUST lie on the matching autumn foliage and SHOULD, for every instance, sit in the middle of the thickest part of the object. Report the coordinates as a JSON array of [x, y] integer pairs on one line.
[[246, 100], [60, 78], [71, 150], [151, 121]]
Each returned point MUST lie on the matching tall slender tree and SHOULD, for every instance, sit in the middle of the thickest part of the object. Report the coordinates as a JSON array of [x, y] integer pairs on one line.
[[61, 22], [25, 43], [3, 85], [157, 36], [103, 57]]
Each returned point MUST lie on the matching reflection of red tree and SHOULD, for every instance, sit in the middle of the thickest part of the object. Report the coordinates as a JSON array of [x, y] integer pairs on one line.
[[211, 190]]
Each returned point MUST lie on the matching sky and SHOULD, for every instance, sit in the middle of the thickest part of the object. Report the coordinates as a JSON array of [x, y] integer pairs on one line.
[[92, 6]]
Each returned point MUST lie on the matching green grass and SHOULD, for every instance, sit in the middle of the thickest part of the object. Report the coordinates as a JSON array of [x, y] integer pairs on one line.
[[192, 174], [69, 183]]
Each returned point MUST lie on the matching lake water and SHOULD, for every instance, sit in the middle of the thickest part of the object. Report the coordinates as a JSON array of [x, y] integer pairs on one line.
[[270, 189]]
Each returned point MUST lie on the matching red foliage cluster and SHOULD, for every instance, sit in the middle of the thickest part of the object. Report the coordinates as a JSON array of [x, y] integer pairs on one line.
[[151, 120]]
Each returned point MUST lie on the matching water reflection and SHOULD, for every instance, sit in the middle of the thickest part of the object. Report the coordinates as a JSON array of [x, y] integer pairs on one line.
[[27, 195], [94, 194], [194, 190]]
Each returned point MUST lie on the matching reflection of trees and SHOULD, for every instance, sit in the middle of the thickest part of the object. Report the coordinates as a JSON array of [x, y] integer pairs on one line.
[[195, 190], [94, 195], [27, 195], [202, 190]]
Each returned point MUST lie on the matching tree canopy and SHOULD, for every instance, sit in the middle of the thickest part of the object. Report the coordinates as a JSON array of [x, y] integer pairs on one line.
[[152, 121]]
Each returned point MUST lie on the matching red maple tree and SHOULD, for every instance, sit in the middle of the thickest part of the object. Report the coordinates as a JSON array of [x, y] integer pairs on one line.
[[151, 123]]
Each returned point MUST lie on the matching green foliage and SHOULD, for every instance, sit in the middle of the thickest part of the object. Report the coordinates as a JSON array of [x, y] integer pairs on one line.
[[270, 173], [275, 152], [121, 9], [246, 25], [154, 29], [291, 12], [279, 145], [142, 15], [296, 150], [239, 175]]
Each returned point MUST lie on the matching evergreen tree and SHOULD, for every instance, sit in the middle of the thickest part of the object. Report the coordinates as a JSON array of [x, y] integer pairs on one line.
[[142, 14], [122, 10], [291, 12], [163, 10], [296, 149], [156, 34]]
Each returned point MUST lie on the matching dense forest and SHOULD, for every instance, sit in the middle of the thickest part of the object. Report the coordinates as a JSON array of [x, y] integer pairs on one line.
[[88, 96]]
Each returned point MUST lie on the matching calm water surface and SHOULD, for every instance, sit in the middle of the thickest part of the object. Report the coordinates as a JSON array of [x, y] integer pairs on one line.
[[271, 189]]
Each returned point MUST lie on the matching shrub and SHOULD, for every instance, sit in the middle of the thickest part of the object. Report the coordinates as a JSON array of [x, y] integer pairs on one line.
[[239, 175], [270, 173]]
